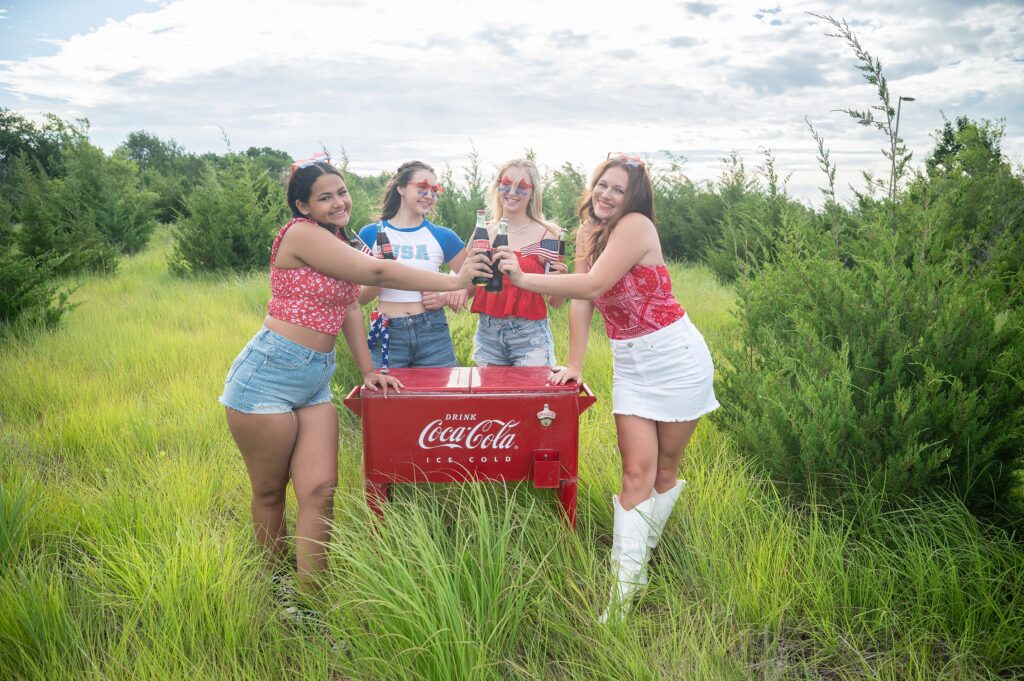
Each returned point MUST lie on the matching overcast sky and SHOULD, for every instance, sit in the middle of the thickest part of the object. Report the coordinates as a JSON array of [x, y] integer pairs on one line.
[[391, 80]]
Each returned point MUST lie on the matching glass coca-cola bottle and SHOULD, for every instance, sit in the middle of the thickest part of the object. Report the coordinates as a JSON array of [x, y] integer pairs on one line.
[[384, 247], [480, 242], [500, 239]]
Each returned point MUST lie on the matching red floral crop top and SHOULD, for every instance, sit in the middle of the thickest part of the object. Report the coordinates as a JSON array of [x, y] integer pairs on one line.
[[639, 303], [307, 297]]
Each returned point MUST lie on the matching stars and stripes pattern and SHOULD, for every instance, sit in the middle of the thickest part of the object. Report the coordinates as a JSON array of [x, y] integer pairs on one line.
[[552, 250], [379, 333], [363, 248], [545, 248]]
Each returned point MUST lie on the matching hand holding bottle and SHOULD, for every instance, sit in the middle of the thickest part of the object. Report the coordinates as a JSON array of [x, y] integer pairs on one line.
[[476, 266], [557, 267], [506, 261]]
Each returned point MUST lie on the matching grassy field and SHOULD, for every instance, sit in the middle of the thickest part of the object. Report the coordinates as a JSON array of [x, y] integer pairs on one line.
[[126, 550]]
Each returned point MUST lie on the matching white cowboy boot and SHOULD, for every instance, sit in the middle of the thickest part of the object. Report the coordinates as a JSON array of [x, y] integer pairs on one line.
[[663, 505], [629, 555]]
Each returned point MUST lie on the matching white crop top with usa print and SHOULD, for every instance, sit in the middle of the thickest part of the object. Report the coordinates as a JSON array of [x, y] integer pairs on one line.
[[426, 246]]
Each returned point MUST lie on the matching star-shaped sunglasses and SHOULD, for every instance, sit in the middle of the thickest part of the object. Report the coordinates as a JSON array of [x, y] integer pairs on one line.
[[634, 161], [522, 188], [423, 188]]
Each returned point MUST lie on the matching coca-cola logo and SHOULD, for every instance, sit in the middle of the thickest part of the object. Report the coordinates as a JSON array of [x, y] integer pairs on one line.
[[486, 434]]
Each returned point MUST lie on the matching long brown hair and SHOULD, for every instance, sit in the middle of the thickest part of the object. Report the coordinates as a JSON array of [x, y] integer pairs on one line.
[[639, 198], [392, 199]]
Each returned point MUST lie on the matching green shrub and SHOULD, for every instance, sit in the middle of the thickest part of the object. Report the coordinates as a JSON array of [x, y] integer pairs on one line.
[[28, 292], [366, 193], [92, 213], [971, 202], [753, 220], [892, 374], [563, 189], [103, 193], [165, 168], [233, 216], [58, 223], [456, 208], [688, 216]]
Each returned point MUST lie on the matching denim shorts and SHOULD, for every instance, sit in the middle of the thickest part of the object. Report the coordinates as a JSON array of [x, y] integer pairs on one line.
[[274, 375], [513, 342], [666, 375], [419, 340]]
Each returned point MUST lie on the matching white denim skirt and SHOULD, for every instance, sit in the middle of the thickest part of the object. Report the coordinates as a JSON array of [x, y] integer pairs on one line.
[[666, 375]]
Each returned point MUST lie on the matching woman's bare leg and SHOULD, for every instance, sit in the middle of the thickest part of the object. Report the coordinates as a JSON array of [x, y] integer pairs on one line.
[[638, 445], [266, 442], [672, 441], [314, 472]]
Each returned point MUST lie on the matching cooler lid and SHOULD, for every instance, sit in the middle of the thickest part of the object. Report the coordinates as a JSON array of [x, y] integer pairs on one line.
[[517, 380], [430, 380]]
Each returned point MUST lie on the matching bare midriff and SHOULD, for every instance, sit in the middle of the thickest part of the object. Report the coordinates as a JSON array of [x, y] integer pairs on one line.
[[400, 309], [310, 338]]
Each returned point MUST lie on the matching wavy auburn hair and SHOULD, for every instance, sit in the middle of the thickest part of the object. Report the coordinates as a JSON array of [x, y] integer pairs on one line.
[[639, 198]]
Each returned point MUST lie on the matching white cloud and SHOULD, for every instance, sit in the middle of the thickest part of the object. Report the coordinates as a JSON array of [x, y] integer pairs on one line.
[[396, 80]]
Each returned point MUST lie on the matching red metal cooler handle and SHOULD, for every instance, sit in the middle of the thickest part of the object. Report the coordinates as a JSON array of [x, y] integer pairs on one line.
[[587, 398], [354, 402]]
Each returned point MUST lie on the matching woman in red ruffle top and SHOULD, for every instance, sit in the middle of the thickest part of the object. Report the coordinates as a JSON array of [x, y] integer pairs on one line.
[[512, 327]]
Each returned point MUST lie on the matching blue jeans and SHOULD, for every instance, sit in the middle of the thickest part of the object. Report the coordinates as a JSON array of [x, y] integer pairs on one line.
[[513, 341], [419, 340], [275, 375]]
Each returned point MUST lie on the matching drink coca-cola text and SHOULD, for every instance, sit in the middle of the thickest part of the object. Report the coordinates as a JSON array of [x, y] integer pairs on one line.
[[486, 434]]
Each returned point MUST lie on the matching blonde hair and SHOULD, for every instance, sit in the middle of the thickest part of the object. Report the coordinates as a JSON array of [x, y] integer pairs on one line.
[[534, 207]]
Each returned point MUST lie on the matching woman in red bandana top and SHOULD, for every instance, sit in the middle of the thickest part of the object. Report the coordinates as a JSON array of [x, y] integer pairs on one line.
[[277, 394], [662, 376]]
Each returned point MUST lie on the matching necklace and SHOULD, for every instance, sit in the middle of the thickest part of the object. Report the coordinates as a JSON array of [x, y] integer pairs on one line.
[[521, 229]]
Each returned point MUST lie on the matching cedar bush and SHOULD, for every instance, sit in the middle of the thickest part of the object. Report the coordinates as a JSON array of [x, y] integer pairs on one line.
[[53, 223], [752, 218], [29, 292], [688, 215], [456, 208], [971, 202], [92, 213], [563, 188], [232, 218], [165, 168], [890, 374], [882, 353]]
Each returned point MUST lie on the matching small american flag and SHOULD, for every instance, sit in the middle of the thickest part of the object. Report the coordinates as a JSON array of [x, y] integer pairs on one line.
[[545, 248], [363, 248]]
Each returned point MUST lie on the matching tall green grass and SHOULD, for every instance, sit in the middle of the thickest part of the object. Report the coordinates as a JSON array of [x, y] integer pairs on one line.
[[126, 550]]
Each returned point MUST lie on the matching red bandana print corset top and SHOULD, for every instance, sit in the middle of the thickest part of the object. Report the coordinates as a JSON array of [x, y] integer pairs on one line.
[[307, 297], [639, 303]]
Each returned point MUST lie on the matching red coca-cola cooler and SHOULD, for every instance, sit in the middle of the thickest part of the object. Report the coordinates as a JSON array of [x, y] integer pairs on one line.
[[499, 424]]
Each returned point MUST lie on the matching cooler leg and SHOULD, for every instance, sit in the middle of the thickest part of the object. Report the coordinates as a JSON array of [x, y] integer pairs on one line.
[[376, 495], [567, 497]]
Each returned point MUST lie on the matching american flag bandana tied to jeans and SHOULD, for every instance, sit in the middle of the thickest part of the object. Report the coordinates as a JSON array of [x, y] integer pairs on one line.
[[379, 324]]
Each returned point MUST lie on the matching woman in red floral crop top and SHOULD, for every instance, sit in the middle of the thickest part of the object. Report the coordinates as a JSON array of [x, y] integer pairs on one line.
[[662, 376], [277, 393]]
